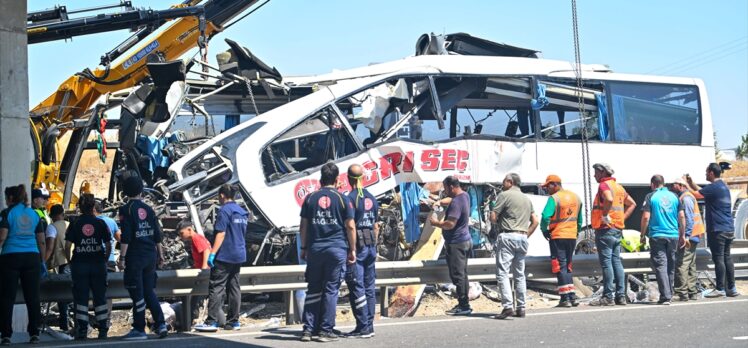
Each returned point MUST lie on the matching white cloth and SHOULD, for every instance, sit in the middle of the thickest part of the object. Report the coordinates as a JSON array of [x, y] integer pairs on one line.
[[51, 231]]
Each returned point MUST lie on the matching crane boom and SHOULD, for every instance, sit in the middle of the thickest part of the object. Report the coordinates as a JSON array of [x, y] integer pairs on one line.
[[78, 92]]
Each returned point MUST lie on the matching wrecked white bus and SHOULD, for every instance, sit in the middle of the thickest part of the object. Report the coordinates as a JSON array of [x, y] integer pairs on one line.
[[419, 119]]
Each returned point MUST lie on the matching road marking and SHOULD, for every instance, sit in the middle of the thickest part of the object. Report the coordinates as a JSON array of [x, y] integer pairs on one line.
[[294, 329]]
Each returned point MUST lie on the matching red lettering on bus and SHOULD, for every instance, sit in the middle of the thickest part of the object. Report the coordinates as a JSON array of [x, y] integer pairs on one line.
[[389, 164], [370, 168], [449, 159], [408, 163], [462, 160], [430, 160]]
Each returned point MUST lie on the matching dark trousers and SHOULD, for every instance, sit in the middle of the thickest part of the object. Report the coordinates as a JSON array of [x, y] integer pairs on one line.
[[140, 282], [457, 255], [63, 307], [662, 255], [89, 277], [719, 244], [324, 271], [562, 252], [224, 280], [27, 268], [360, 278]]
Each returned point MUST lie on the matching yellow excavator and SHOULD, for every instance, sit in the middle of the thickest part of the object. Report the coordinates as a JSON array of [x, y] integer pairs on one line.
[[192, 25]]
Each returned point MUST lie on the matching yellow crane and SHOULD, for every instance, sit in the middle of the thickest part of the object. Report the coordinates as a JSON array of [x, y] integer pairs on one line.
[[123, 67]]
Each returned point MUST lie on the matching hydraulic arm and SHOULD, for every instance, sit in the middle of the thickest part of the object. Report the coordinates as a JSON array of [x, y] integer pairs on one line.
[[122, 67]]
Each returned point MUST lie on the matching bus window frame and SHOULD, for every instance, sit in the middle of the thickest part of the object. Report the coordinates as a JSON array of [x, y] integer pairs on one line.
[[611, 116]]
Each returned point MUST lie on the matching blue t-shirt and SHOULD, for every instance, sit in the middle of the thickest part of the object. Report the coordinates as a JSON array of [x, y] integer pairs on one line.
[[22, 224], [232, 220], [718, 210], [663, 206], [366, 209], [459, 210], [327, 210], [140, 230], [113, 228]]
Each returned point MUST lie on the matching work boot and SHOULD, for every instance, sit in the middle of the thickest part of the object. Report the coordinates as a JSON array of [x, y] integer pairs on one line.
[[326, 337], [621, 300], [520, 313], [306, 336], [683, 297], [459, 310], [506, 313], [564, 304], [574, 302], [693, 297], [603, 301]]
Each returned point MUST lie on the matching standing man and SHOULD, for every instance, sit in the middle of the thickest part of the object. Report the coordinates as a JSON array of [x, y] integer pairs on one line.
[[685, 257], [517, 221], [92, 242], [225, 260], [328, 232], [56, 259], [720, 229], [612, 206], [664, 221], [113, 231], [361, 276], [560, 223], [140, 251], [200, 251], [457, 241], [39, 200]]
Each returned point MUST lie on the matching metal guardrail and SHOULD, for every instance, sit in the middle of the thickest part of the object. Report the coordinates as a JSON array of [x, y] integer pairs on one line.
[[192, 282]]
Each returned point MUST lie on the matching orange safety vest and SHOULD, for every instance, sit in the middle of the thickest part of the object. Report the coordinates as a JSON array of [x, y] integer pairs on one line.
[[616, 209], [564, 221], [698, 224]]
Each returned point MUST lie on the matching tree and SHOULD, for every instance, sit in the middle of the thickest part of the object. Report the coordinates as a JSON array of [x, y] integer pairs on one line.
[[742, 151]]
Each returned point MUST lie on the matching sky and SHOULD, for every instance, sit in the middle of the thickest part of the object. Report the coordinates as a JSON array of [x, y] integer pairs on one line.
[[690, 38]]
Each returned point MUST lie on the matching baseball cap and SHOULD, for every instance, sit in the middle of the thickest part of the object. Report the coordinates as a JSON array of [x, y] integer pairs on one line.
[[551, 178], [681, 181], [604, 167], [39, 193]]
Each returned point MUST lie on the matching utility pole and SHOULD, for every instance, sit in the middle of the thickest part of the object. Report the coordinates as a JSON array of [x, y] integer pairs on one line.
[[15, 143]]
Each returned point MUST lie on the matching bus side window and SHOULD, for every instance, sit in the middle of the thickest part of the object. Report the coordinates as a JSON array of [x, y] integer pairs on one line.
[[655, 113]]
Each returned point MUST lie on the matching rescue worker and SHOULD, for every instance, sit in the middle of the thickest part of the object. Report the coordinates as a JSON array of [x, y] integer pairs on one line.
[[685, 257], [140, 251], [92, 242], [200, 251], [225, 260], [361, 276], [327, 233], [514, 213], [39, 200], [663, 221], [56, 259], [560, 222], [113, 230], [720, 229], [611, 207], [457, 242], [22, 245]]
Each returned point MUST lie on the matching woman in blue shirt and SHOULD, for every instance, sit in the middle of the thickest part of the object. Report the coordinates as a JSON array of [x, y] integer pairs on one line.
[[21, 251]]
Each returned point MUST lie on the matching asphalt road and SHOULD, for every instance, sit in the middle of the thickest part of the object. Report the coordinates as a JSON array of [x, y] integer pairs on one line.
[[715, 323]]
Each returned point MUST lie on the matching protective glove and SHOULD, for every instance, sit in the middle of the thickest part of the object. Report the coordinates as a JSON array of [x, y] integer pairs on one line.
[[43, 271], [211, 258]]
